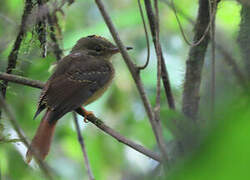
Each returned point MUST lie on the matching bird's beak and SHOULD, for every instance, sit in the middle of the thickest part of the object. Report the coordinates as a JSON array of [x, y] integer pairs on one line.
[[116, 49]]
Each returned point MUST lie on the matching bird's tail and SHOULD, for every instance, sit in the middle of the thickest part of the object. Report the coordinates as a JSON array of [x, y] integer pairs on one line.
[[40, 144]]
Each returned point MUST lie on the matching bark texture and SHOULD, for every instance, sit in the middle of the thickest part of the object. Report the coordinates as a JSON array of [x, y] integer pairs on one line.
[[195, 63]]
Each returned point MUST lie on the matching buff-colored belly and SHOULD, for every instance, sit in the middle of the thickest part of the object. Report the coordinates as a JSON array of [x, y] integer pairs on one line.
[[99, 92]]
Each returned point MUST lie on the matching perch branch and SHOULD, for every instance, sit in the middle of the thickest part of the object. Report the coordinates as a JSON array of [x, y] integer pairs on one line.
[[100, 124], [94, 120], [21, 80]]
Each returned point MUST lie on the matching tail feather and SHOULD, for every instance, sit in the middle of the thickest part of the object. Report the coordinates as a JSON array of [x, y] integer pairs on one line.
[[40, 144]]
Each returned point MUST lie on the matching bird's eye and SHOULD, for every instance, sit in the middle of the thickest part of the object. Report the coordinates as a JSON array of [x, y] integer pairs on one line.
[[98, 48]]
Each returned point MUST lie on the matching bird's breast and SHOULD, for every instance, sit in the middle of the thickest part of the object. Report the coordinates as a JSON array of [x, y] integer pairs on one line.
[[98, 93]]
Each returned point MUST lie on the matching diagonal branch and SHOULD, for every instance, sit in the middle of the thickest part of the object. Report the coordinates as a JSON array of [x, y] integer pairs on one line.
[[94, 120], [135, 74], [100, 124]]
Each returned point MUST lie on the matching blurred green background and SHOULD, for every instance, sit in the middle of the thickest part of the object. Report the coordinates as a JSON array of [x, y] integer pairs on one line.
[[224, 150]]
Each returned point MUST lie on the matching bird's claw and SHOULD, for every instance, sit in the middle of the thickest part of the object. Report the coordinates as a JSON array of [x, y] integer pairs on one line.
[[86, 114]]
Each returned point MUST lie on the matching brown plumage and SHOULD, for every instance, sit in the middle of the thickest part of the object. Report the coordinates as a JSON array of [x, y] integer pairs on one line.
[[79, 79]]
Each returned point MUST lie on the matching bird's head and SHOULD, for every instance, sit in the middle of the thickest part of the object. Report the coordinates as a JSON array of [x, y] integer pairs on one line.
[[96, 46]]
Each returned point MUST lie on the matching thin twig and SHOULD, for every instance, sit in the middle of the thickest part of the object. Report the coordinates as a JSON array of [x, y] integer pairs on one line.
[[195, 43], [159, 73], [165, 77], [81, 141], [195, 62], [135, 74], [162, 70], [159, 61], [179, 11], [44, 167], [146, 35], [228, 58], [94, 120]]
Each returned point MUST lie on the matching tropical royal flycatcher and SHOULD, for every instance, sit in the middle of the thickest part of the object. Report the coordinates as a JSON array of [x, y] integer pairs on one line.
[[79, 79]]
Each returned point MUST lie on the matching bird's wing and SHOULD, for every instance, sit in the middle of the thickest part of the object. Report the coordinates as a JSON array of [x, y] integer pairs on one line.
[[77, 82]]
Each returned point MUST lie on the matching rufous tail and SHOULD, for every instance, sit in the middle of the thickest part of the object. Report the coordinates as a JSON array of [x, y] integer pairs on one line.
[[40, 144]]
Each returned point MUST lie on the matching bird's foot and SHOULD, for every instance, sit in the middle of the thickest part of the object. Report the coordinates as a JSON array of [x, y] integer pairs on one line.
[[86, 114]]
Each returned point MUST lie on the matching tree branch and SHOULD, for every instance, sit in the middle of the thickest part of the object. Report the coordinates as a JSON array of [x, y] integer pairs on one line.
[[146, 35], [228, 58], [21, 80], [81, 141], [195, 62], [94, 120], [158, 49], [15, 50], [101, 125], [135, 74]]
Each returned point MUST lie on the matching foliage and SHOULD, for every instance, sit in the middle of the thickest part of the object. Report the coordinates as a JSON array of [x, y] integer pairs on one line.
[[222, 150]]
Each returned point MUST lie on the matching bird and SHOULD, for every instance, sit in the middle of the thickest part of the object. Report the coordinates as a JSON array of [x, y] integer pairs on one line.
[[79, 79]]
